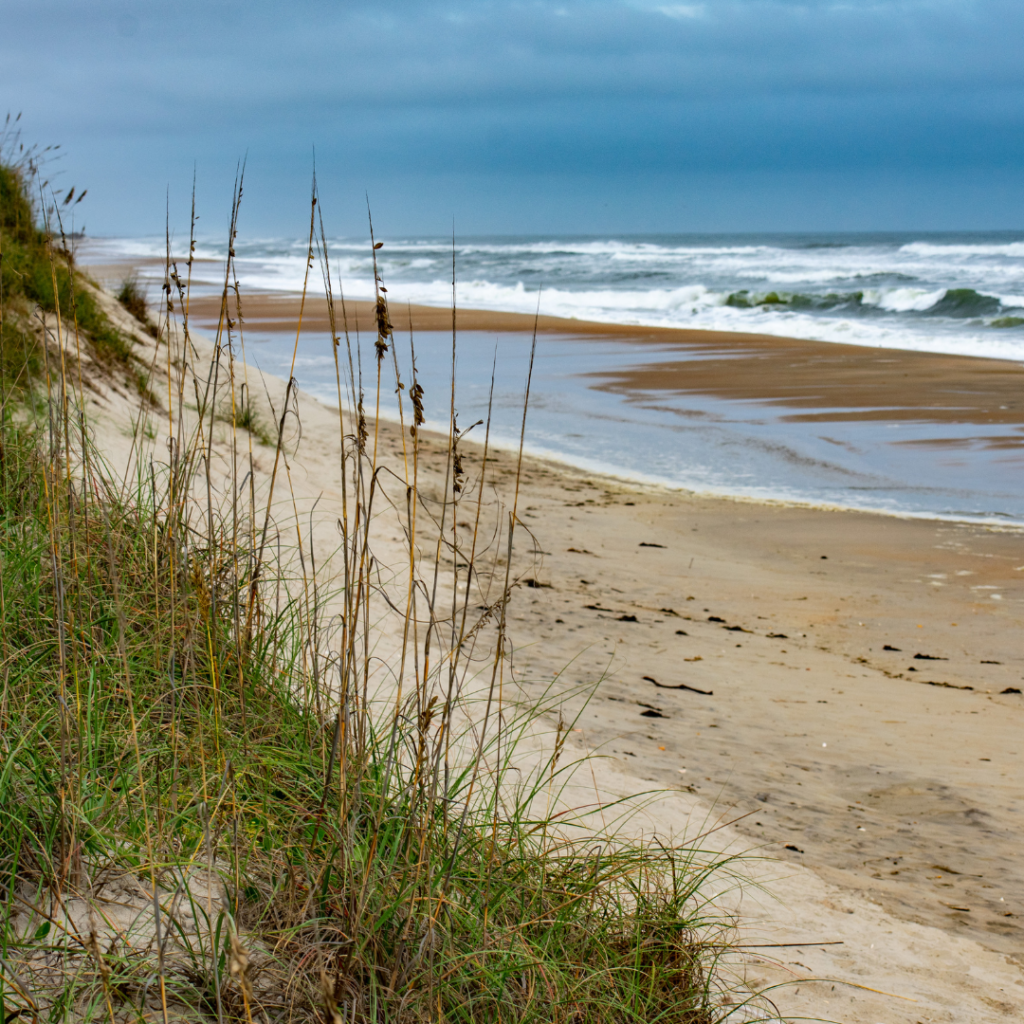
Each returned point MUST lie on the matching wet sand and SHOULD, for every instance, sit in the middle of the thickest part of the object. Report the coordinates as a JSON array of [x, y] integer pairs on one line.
[[819, 381]]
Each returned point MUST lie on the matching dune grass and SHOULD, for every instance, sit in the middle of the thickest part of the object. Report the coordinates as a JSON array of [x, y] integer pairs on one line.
[[132, 295], [211, 806], [38, 279]]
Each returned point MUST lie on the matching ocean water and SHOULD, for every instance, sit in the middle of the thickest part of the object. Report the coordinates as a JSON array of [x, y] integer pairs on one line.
[[697, 442], [956, 293], [960, 294]]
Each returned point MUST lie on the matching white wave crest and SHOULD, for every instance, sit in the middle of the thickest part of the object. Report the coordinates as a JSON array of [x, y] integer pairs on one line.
[[903, 300], [657, 283], [1012, 250]]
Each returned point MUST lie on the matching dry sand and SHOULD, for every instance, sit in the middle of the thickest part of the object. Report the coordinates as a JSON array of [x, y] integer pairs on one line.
[[882, 789], [873, 768]]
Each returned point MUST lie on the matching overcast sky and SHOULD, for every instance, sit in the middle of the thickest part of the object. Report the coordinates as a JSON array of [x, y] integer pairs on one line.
[[582, 116]]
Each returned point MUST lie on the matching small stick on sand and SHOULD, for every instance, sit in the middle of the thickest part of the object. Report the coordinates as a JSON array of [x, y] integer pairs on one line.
[[679, 686]]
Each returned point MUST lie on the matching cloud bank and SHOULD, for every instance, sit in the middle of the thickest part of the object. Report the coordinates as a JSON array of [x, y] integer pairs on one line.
[[536, 116]]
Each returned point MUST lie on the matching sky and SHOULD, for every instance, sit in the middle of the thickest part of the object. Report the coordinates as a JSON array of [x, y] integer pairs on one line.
[[575, 117]]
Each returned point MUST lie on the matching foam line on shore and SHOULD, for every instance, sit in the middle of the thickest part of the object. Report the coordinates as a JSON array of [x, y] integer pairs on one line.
[[665, 485]]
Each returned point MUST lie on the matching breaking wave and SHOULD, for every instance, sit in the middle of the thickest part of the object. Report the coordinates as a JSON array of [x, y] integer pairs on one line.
[[950, 293]]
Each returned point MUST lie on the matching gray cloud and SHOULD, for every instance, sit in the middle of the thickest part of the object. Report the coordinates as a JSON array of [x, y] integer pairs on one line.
[[575, 89]]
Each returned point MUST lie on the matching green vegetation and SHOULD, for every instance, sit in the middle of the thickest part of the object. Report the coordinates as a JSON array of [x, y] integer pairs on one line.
[[246, 418], [37, 274], [132, 296], [205, 811], [21, 251]]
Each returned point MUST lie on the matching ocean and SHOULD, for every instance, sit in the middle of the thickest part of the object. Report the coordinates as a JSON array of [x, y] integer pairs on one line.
[[956, 293], [960, 294]]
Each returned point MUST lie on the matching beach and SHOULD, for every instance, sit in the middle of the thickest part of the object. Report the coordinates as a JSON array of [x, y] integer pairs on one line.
[[820, 381], [914, 433], [901, 399], [523, 525], [831, 689]]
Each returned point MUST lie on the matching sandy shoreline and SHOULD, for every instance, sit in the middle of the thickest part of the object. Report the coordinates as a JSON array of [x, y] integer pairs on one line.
[[738, 600], [818, 381], [885, 784]]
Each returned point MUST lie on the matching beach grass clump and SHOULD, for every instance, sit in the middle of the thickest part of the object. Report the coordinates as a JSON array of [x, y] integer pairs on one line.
[[245, 784], [247, 418], [20, 247], [38, 279], [132, 295]]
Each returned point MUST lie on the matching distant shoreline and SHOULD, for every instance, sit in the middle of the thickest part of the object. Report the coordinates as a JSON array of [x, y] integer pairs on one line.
[[914, 410], [959, 293], [821, 381]]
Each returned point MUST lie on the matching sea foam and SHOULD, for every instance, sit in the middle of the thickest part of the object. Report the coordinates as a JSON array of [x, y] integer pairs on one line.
[[959, 294]]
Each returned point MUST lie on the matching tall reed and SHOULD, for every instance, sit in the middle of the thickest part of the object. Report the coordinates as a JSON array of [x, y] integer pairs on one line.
[[244, 778]]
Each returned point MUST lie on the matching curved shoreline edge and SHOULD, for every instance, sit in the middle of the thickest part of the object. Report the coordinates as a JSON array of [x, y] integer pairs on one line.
[[977, 398]]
